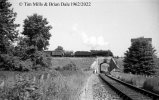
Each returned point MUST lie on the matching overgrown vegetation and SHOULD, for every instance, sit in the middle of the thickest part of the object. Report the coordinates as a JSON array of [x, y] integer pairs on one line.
[[22, 91], [26, 86], [63, 84], [139, 59]]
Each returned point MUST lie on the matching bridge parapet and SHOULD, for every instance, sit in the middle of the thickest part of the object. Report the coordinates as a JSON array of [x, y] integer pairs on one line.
[[112, 65]]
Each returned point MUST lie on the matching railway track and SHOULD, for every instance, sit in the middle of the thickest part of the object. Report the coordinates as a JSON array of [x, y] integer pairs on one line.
[[127, 91]]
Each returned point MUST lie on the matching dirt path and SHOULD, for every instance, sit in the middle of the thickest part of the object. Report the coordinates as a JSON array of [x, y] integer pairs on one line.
[[87, 90]]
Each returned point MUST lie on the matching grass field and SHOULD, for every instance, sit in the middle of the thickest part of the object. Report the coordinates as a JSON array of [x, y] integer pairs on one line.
[[81, 62], [63, 84]]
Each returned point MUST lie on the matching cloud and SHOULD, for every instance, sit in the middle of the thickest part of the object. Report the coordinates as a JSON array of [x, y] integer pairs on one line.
[[101, 41], [90, 40], [93, 40]]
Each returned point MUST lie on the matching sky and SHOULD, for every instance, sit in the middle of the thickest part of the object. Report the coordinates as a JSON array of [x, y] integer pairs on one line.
[[106, 24]]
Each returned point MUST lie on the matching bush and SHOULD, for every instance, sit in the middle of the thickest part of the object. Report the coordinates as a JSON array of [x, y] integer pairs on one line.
[[40, 61], [58, 68], [70, 67], [152, 84], [9, 62]]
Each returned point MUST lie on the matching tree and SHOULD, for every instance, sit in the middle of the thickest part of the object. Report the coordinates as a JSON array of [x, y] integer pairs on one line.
[[8, 32], [139, 59], [59, 48], [109, 53], [36, 28], [36, 39], [8, 35], [21, 48]]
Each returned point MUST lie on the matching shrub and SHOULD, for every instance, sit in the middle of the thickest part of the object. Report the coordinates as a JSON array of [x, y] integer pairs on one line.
[[58, 68], [13, 63], [70, 67], [152, 84], [39, 60]]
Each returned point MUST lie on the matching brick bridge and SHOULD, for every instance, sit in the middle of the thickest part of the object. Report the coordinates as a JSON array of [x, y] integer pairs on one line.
[[107, 64]]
